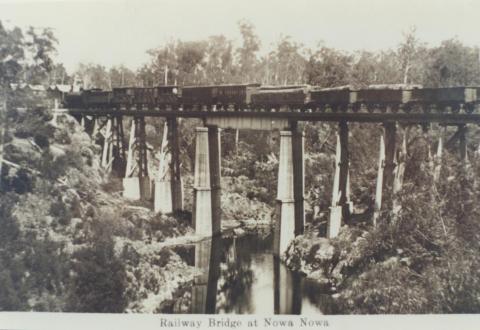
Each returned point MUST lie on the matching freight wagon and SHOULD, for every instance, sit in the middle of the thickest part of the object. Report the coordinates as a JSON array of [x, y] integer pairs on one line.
[[222, 95], [274, 96]]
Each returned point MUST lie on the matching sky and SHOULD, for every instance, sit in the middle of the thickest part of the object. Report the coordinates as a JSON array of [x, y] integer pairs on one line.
[[120, 32]]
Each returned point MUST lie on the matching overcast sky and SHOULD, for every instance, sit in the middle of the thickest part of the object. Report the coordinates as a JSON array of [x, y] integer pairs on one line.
[[120, 32]]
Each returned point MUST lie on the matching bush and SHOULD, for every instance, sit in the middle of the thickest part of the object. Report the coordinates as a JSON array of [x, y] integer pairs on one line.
[[420, 260], [100, 278]]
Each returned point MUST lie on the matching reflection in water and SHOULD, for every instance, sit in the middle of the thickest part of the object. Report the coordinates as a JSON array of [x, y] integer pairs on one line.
[[241, 276], [204, 290], [287, 289]]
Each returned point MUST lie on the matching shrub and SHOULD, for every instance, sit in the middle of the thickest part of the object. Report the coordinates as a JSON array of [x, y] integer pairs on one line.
[[100, 278]]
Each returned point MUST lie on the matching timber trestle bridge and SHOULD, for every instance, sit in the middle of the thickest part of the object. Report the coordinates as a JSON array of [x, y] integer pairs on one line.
[[255, 107]]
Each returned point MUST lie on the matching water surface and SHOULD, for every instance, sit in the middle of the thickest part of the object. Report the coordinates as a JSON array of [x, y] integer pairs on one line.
[[240, 275]]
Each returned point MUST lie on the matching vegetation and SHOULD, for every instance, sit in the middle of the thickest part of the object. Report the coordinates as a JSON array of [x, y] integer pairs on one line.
[[420, 261]]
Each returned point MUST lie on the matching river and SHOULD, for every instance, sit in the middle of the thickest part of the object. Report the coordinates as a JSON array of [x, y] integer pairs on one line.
[[240, 275]]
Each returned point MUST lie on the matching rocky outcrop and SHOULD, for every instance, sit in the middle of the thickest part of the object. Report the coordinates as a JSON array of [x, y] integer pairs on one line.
[[325, 260]]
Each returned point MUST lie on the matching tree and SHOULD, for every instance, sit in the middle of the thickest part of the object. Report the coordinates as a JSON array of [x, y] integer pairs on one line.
[[59, 75], [452, 64], [121, 76], [93, 76], [163, 66], [219, 60], [247, 54], [100, 280], [287, 62], [191, 56], [146, 76], [328, 67], [42, 47], [406, 52], [12, 54], [365, 69], [388, 71]]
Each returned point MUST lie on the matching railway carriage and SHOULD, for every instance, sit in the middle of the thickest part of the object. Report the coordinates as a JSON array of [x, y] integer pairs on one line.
[[273, 97], [219, 95], [448, 97], [283, 98], [148, 96], [97, 98], [144, 96], [390, 96], [73, 100], [336, 97], [167, 95], [123, 96]]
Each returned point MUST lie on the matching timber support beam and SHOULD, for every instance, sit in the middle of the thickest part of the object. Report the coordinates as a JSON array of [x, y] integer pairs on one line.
[[386, 169], [340, 209], [168, 192], [136, 184]]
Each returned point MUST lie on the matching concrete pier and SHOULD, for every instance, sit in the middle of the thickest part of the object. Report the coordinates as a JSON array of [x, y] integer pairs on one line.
[[175, 173], [285, 208], [214, 155], [298, 150], [202, 208]]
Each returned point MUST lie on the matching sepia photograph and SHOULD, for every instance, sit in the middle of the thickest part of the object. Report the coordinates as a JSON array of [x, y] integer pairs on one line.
[[296, 158]]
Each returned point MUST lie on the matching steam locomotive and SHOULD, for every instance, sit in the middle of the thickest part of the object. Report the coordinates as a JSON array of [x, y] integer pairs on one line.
[[275, 98]]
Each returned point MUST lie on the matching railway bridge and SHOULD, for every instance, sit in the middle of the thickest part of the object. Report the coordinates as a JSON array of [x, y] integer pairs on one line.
[[167, 187]]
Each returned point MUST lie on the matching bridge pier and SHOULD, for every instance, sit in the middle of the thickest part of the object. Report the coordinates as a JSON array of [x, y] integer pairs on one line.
[[215, 152], [437, 160], [341, 205], [118, 146], [136, 187], [83, 123], [386, 168], [107, 147], [298, 150], [95, 128], [87, 123], [463, 143], [399, 172], [207, 191], [168, 192], [290, 215]]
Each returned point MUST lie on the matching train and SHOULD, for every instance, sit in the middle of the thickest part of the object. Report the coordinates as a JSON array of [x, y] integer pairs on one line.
[[274, 98]]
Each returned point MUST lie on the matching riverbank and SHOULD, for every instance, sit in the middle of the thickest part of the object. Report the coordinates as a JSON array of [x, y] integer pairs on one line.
[[66, 227], [416, 261]]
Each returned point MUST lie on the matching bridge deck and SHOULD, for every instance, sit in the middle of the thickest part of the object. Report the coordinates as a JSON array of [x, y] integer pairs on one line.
[[424, 117]]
